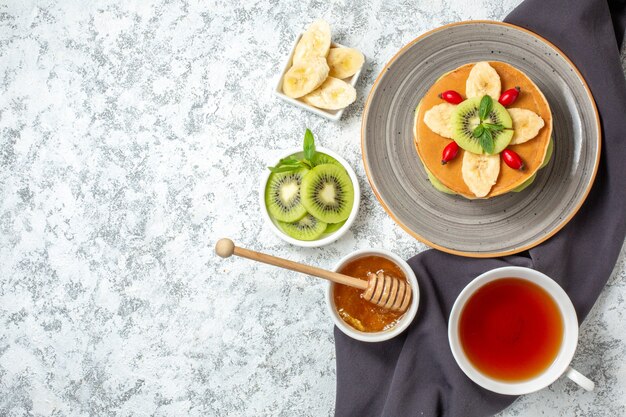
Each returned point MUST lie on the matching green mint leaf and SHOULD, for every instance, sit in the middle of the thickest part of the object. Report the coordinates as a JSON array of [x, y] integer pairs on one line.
[[286, 164], [290, 160], [306, 163], [486, 104], [309, 145], [494, 128], [486, 141], [478, 132], [284, 168]]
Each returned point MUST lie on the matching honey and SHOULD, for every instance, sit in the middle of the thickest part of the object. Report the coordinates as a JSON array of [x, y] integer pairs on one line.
[[354, 310]]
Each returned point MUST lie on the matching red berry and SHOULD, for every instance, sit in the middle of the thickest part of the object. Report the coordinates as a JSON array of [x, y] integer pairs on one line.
[[449, 152], [509, 96], [451, 96], [512, 159]]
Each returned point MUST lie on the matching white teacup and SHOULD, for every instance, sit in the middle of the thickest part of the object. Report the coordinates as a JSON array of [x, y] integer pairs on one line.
[[561, 363]]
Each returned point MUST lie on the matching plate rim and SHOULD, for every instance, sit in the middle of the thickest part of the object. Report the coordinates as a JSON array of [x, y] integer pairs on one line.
[[491, 254]]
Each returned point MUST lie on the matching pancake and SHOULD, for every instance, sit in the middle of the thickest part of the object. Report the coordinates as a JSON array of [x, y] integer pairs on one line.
[[429, 145]]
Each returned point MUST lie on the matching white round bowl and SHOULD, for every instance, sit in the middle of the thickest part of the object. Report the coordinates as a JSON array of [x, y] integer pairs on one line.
[[568, 346], [404, 321], [324, 239]]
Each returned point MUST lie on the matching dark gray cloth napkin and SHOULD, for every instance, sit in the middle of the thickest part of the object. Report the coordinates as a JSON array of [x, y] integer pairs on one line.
[[415, 373]]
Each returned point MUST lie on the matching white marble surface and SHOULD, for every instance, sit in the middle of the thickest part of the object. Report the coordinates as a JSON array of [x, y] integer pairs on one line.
[[132, 135]]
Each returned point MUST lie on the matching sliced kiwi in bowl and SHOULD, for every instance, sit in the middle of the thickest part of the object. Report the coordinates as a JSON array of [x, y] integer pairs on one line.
[[327, 193], [282, 195], [333, 227], [321, 158], [307, 228], [466, 118]]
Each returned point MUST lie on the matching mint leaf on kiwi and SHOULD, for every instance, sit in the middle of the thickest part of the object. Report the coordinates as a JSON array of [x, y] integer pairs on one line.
[[486, 104], [486, 141], [493, 128], [478, 132], [468, 127], [485, 131]]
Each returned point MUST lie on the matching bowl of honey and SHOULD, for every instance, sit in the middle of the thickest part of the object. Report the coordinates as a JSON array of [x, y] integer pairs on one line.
[[359, 318]]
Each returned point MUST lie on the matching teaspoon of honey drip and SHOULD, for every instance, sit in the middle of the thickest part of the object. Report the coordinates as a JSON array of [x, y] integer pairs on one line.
[[380, 289]]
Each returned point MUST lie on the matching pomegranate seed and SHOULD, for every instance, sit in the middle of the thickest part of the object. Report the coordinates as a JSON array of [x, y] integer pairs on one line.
[[509, 96], [451, 96], [449, 152], [512, 159]]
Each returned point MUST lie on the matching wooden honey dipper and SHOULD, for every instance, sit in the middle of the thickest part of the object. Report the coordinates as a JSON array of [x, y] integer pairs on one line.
[[383, 290]]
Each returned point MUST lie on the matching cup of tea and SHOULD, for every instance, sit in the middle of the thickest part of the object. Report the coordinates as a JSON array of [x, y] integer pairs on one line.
[[514, 331]]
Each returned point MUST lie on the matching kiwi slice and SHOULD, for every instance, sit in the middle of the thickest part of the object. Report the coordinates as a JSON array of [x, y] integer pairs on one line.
[[545, 162], [525, 184], [438, 184], [321, 158], [282, 195], [327, 193], [465, 119], [333, 227], [307, 228], [549, 152]]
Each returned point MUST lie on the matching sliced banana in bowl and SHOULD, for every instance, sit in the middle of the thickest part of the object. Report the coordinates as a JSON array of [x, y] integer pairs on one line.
[[305, 76], [344, 62], [320, 76], [333, 94], [315, 42]]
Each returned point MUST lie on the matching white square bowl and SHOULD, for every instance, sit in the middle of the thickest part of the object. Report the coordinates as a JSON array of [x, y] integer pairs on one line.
[[333, 115]]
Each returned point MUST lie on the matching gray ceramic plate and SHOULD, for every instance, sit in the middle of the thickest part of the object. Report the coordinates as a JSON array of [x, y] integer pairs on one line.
[[501, 225]]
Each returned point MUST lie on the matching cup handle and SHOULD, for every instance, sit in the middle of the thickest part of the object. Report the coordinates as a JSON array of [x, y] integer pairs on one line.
[[580, 379]]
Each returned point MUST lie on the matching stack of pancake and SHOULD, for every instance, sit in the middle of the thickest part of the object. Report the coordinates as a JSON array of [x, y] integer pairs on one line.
[[533, 152]]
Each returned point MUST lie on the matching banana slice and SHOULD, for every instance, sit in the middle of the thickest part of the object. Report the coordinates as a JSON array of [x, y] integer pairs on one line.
[[483, 80], [480, 172], [305, 77], [526, 125], [315, 42], [333, 94], [344, 62], [438, 119]]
